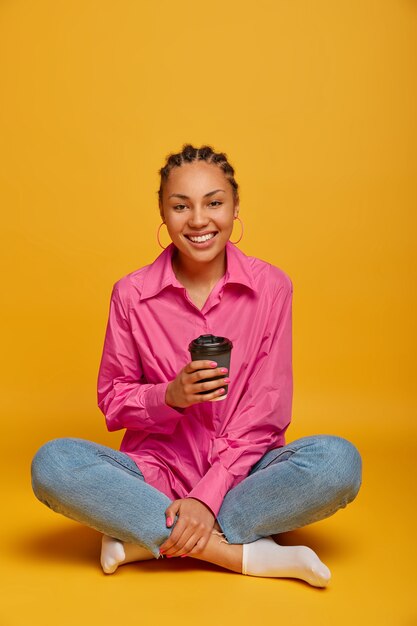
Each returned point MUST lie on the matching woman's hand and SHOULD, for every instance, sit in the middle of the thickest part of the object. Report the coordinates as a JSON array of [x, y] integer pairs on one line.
[[192, 530], [183, 390]]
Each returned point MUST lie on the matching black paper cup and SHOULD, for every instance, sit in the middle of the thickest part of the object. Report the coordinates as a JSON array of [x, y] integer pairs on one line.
[[212, 348]]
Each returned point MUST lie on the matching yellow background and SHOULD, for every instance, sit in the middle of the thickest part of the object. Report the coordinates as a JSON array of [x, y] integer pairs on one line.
[[315, 105]]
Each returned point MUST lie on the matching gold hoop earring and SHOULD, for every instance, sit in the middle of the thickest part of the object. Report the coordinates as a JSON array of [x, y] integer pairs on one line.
[[241, 234], [157, 236]]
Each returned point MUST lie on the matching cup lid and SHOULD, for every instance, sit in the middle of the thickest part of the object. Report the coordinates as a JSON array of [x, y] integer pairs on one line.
[[210, 344]]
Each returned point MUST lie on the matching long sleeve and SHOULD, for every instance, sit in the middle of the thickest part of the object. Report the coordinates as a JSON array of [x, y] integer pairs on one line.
[[263, 413], [123, 395]]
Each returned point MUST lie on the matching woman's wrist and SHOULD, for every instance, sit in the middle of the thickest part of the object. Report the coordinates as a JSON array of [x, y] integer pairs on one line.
[[168, 396]]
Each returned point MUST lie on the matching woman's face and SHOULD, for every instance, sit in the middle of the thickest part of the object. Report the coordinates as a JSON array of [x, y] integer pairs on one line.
[[198, 202]]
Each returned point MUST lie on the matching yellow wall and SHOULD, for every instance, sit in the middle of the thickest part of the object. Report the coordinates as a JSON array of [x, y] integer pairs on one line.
[[315, 105]]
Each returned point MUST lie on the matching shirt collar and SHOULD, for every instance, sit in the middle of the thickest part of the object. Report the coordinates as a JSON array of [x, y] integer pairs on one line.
[[160, 274]]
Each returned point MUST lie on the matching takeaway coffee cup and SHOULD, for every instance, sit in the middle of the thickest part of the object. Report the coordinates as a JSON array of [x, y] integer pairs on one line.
[[215, 349]]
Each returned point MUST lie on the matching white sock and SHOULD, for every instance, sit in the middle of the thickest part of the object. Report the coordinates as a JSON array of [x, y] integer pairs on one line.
[[264, 557], [115, 552]]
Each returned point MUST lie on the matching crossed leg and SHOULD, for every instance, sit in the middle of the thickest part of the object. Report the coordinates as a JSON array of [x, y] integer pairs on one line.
[[320, 474]]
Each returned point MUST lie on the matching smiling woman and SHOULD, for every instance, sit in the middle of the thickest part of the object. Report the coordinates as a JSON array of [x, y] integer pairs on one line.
[[201, 225], [194, 477]]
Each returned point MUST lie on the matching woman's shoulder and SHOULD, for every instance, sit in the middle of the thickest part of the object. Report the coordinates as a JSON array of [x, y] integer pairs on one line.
[[131, 283], [269, 276]]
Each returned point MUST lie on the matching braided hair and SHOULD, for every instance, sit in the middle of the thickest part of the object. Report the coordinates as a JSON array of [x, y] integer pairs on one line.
[[189, 154]]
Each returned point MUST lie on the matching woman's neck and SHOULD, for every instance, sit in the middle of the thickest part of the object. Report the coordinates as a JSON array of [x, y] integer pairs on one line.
[[199, 275]]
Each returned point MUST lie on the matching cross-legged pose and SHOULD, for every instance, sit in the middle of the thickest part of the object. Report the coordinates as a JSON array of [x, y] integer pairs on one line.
[[197, 368]]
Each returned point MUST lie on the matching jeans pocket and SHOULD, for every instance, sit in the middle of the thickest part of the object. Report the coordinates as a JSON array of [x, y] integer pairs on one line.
[[268, 459], [127, 465]]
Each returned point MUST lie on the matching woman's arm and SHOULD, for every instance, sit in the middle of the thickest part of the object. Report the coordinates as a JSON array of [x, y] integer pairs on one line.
[[123, 395], [263, 413]]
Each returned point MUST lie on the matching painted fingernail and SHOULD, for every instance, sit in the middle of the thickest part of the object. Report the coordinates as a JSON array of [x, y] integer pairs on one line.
[[183, 555], [226, 380], [169, 521], [169, 556], [213, 363], [224, 370]]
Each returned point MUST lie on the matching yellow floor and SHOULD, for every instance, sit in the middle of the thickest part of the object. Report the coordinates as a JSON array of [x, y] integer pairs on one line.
[[51, 572]]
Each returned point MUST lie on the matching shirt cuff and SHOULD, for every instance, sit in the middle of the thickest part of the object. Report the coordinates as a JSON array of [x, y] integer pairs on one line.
[[155, 404], [212, 487]]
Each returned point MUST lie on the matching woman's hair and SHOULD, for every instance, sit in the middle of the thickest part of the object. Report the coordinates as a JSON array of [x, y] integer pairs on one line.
[[189, 154]]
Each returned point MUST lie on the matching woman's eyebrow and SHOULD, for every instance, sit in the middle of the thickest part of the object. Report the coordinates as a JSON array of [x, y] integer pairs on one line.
[[181, 195]]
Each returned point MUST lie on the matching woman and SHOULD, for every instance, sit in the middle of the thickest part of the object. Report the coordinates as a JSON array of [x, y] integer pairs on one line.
[[196, 477]]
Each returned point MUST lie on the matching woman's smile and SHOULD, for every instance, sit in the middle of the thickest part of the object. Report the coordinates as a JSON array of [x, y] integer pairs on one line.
[[204, 240]]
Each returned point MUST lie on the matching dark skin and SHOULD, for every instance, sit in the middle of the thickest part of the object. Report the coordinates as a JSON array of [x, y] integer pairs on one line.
[[195, 520]]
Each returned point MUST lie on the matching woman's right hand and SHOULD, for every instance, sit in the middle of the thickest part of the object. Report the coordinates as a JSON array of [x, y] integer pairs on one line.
[[183, 390]]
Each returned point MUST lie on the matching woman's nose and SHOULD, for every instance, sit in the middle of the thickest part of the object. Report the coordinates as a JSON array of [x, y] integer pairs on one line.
[[198, 218]]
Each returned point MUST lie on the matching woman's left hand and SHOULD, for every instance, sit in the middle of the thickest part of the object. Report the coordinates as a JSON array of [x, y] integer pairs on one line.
[[192, 530]]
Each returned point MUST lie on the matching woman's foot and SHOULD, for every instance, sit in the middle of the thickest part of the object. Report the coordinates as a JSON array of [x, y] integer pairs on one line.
[[265, 557], [115, 553]]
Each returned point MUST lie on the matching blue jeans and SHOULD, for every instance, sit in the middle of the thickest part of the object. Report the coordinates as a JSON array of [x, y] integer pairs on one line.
[[289, 487]]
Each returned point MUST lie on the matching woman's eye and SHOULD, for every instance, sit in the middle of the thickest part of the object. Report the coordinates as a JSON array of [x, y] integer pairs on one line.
[[181, 207]]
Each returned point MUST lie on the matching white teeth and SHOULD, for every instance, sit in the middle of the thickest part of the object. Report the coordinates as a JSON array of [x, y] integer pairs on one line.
[[202, 238]]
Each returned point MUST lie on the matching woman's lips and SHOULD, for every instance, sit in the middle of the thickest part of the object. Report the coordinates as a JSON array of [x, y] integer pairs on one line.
[[201, 244]]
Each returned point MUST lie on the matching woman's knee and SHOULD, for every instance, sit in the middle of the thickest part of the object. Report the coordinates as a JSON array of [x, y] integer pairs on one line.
[[344, 466], [48, 466]]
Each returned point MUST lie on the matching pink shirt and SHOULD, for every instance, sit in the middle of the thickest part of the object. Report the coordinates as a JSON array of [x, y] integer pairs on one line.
[[204, 450]]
